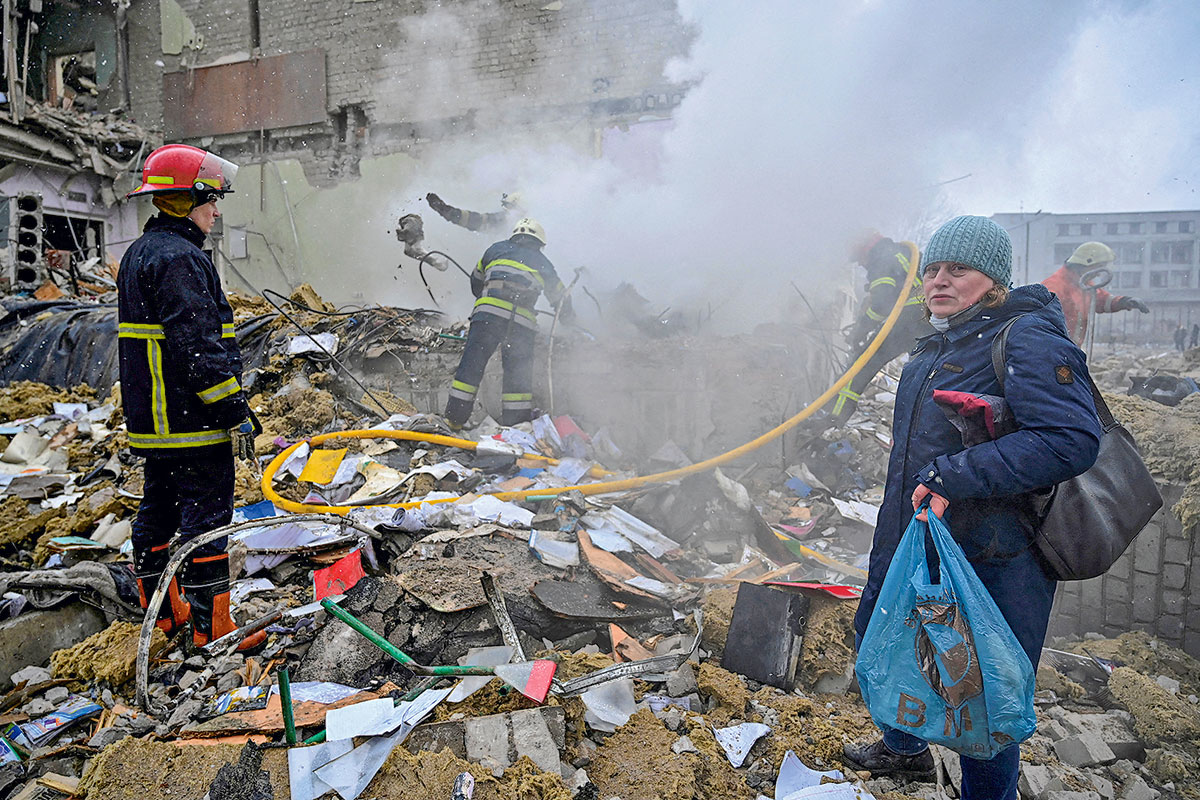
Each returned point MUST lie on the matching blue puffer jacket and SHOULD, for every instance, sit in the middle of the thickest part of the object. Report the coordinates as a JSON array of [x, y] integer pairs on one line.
[[991, 511]]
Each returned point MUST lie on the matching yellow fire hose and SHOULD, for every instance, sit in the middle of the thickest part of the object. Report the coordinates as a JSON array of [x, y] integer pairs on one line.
[[592, 488]]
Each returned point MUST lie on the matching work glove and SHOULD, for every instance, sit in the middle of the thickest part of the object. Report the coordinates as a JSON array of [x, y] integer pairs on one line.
[[243, 441], [243, 437], [436, 203], [1131, 303], [937, 503]]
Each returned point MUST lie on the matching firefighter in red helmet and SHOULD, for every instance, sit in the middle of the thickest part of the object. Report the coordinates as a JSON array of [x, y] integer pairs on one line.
[[181, 374]]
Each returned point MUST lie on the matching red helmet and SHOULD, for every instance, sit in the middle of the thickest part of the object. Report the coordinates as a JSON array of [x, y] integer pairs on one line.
[[175, 167], [863, 245]]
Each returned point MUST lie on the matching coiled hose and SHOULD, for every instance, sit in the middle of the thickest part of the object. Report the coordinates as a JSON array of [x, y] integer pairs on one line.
[[606, 486]]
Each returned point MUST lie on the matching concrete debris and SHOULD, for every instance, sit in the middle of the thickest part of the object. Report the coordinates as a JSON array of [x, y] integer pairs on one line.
[[604, 587]]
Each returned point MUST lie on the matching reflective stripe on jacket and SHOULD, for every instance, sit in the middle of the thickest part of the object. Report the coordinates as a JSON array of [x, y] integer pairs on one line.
[[179, 361], [887, 267], [509, 279]]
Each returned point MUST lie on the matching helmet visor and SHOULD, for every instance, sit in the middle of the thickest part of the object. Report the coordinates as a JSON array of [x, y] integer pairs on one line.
[[215, 174]]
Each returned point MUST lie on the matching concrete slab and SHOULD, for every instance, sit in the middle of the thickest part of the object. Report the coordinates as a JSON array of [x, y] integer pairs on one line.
[[30, 638]]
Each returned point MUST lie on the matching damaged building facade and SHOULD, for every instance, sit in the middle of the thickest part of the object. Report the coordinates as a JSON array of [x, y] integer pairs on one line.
[[64, 166], [333, 108]]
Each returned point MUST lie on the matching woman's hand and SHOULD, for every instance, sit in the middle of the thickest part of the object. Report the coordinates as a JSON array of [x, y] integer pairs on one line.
[[936, 502]]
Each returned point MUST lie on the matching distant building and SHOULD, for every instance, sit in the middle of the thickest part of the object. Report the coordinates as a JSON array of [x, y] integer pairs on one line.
[[1157, 261]]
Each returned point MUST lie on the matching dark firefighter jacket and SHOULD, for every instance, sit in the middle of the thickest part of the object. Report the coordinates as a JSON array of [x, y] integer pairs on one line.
[[510, 277], [991, 513], [180, 365], [887, 267]]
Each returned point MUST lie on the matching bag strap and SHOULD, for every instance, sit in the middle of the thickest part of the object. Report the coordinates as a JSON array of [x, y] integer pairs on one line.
[[999, 347]]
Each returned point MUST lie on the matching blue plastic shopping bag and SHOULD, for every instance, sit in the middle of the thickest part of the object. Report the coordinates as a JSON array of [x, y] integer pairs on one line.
[[939, 661]]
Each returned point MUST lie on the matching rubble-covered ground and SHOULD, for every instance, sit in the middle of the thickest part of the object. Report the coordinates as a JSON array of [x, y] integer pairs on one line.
[[633, 596]]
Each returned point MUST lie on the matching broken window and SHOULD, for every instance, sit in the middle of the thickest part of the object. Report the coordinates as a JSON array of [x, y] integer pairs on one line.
[[1131, 253], [1172, 252], [72, 81]]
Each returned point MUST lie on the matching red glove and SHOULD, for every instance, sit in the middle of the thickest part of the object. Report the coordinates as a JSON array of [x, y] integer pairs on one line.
[[937, 503]]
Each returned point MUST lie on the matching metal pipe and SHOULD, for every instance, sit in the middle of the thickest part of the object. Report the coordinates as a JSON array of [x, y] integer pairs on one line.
[[395, 652], [285, 703], [156, 600]]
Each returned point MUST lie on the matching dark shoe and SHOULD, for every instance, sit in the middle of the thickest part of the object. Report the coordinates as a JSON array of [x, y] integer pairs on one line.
[[879, 760]]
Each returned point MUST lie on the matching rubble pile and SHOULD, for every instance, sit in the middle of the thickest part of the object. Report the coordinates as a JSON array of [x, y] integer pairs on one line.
[[690, 639]]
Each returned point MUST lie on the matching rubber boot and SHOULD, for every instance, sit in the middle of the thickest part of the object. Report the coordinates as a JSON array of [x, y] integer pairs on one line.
[[148, 566], [206, 584]]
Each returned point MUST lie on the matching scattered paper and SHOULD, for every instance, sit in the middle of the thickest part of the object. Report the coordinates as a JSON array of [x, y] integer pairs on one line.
[[348, 775], [857, 510], [795, 775], [300, 345], [737, 740], [571, 469], [302, 763], [318, 691], [294, 464], [609, 705], [656, 588], [71, 411], [369, 718], [552, 552], [322, 465], [244, 588], [607, 538], [644, 536]]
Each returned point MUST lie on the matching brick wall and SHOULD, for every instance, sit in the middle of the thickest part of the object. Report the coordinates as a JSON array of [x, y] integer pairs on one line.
[[403, 73], [1148, 589]]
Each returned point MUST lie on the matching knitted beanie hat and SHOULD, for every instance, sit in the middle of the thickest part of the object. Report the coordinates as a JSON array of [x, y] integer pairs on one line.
[[975, 241]]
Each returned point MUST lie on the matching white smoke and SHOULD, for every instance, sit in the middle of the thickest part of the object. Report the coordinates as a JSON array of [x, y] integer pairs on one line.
[[806, 123]]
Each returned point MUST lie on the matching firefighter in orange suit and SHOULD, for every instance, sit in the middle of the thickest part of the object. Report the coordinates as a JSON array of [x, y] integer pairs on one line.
[[1074, 297]]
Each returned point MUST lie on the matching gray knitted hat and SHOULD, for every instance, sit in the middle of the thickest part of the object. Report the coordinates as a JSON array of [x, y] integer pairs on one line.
[[975, 241]]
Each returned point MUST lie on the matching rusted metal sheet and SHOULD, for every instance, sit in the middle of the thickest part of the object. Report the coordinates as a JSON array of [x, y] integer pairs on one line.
[[266, 93]]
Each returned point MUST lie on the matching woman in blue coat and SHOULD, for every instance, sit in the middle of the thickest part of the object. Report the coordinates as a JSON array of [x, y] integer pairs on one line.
[[984, 493]]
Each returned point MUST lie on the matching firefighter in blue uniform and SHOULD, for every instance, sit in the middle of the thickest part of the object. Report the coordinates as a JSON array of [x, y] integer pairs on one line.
[[508, 280], [887, 265], [181, 388]]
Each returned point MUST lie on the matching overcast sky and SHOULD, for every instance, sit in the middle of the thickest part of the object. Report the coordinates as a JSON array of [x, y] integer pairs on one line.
[[1072, 105]]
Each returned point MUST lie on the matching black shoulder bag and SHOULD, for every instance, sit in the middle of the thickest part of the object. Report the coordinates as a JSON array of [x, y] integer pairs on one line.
[[1089, 520]]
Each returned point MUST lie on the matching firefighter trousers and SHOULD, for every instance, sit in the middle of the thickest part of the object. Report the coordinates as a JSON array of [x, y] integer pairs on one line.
[[487, 332], [192, 494]]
